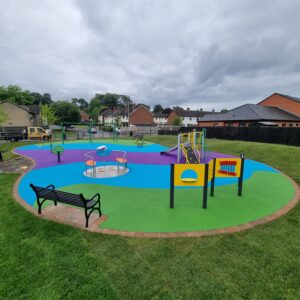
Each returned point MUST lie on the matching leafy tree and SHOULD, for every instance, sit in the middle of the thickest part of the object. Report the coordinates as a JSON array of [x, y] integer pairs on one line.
[[94, 114], [111, 100], [3, 116], [125, 101], [178, 108], [224, 110], [48, 115], [16, 95], [83, 104], [37, 98], [177, 121], [74, 101], [66, 112], [157, 108], [46, 99], [167, 110]]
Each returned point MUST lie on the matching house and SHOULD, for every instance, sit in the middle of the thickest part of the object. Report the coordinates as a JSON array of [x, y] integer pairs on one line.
[[160, 118], [284, 102], [21, 115], [84, 117], [188, 117], [116, 115], [250, 114], [141, 115]]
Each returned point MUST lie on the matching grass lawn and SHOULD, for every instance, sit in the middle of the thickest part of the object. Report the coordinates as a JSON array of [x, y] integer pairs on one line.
[[43, 260]]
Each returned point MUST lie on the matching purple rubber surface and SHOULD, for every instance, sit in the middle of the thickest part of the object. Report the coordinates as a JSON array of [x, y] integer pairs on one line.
[[44, 158]]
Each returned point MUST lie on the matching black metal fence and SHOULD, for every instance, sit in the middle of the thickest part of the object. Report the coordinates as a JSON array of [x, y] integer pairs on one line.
[[274, 135]]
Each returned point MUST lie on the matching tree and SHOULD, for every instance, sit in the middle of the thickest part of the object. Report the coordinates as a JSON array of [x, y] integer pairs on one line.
[[16, 95], [177, 121], [124, 101], [38, 98], [66, 112], [46, 99], [94, 114], [178, 108], [224, 110], [83, 104], [167, 110], [157, 108], [3, 116], [48, 115]]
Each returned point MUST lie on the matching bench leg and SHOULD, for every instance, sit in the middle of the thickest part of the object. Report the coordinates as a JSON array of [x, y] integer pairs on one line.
[[39, 206], [86, 218]]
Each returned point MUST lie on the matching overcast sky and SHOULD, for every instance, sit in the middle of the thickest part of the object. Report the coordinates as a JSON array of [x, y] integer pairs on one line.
[[193, 53]]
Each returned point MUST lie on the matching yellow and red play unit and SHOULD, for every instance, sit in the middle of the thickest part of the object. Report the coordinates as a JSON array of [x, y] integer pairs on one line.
[[198, 175]]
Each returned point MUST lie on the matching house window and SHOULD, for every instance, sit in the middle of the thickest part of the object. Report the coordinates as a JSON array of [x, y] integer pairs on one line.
[[291, 125], [297, 125], [283, 125], [190, 118]]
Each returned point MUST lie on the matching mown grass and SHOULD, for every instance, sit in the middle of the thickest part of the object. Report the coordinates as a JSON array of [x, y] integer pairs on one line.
[[9, 146], [40, 259]]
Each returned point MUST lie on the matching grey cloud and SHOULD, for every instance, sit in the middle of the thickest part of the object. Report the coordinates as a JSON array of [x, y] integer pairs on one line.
[[208, 54]]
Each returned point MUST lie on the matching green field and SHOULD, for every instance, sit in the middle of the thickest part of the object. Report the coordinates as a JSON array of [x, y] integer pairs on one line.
[[41, 259]]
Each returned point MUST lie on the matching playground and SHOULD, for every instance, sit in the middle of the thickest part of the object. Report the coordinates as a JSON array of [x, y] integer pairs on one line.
[[140, 193]]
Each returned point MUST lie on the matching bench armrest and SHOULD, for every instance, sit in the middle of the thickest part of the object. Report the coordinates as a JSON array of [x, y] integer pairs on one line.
[[50, 186], [96, 195]]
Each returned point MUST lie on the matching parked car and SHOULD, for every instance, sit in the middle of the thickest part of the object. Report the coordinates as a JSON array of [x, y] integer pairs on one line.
[[21, 133]]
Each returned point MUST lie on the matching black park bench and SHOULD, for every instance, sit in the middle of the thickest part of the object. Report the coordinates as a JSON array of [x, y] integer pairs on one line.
[[50, 193]]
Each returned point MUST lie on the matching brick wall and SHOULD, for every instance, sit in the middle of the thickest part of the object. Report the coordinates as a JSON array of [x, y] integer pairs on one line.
[[283, 103], [171, 117], [141, 116]]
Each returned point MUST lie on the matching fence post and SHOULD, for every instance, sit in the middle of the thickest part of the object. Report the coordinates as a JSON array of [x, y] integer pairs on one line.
[[240, 182], [212, 184], [204, 201], [172, 186]]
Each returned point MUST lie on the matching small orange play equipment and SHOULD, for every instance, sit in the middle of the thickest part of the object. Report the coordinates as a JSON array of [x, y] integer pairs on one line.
[[122, 160], [90, 164]]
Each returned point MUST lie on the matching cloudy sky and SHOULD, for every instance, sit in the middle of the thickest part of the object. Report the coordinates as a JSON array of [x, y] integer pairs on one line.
[[193, 53]]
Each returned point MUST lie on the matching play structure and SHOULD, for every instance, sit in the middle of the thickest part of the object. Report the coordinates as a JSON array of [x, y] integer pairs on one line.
[[105, 157], [89, 127], [200, 175], [190, 146], [138, 139], [57, 150]]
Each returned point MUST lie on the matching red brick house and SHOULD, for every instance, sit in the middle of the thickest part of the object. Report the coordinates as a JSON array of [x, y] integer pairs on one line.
[[251, 114], [284, 102], [141, 116], [84, 117]]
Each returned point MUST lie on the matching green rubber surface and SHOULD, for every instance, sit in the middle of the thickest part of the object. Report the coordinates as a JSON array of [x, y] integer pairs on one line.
[[147, 210]]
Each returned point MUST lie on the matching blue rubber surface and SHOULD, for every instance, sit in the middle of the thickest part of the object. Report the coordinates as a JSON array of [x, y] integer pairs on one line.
[[92, 146], [139, 176]]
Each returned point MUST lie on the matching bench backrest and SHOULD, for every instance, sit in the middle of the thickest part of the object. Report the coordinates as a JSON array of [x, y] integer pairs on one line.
[[59, 196]]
